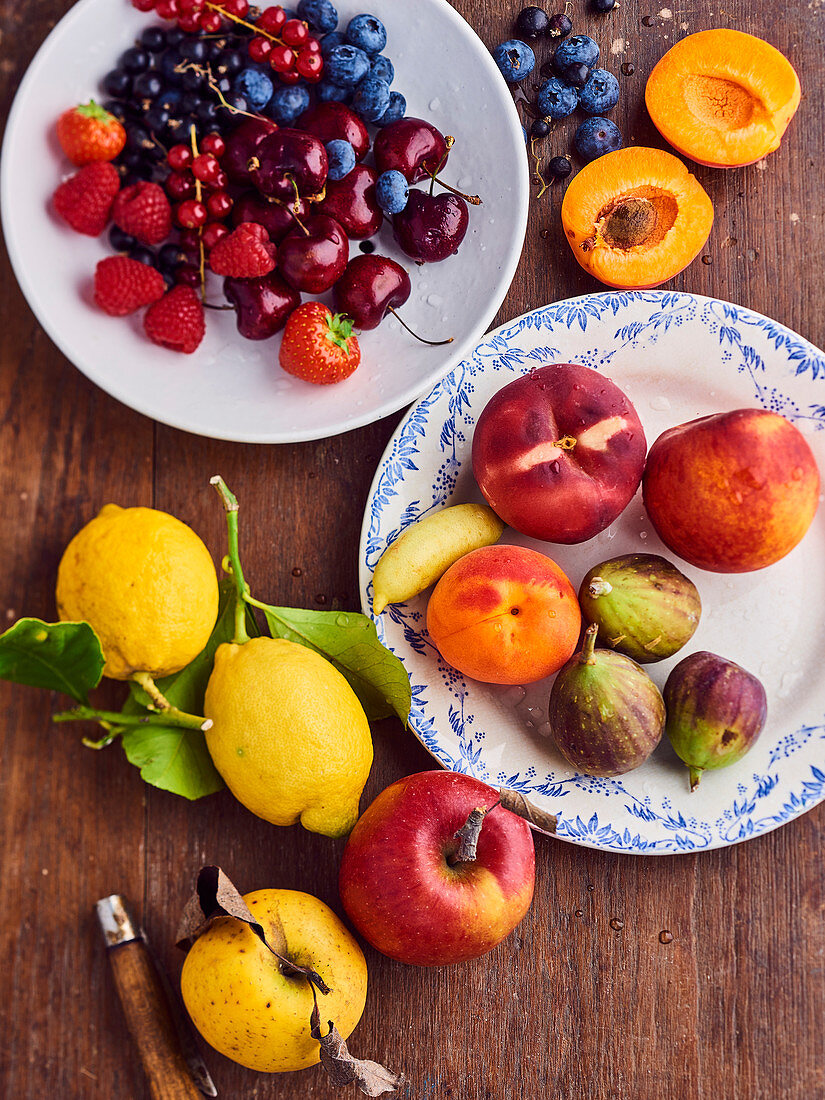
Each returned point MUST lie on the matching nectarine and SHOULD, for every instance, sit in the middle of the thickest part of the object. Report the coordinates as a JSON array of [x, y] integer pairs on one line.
[[504, 615], [732, 492]]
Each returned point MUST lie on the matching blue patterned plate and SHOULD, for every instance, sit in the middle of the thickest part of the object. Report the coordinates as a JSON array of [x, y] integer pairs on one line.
[[677, 356]]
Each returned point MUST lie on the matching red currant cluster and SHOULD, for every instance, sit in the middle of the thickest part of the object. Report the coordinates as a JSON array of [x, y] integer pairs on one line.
[[196, 186], [196, 15]]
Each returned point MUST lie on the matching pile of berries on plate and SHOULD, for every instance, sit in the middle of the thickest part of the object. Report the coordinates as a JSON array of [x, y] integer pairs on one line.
[[234, 142], [571, 80]]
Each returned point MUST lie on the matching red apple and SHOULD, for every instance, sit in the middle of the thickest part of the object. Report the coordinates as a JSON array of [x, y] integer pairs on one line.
[[559, 453], [402, 889]]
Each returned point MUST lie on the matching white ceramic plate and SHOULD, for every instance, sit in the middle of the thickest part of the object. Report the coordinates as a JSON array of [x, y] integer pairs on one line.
[[233, 388], [677, 356]]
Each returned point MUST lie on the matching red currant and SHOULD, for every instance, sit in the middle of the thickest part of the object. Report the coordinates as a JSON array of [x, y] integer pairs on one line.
[[313, 45], [187, 275], [189, 23], [259, 48], [281, 59], [213, 233], [189, 241], [219, 204], [210, 22], [309, 64], [191, 214], [188, 7], [179, 186], [238, 8], [205, 167], [220, 181], [292, 77], [213, 143], [167, 9], [272, 19], [144, 5], [179, 157], [294, 32]]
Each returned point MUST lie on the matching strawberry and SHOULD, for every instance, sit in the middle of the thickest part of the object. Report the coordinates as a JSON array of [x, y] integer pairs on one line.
[[176, 321], [88, 133], [318, 345], [143, 211], [85, 199], [246, 253], [123, 285]]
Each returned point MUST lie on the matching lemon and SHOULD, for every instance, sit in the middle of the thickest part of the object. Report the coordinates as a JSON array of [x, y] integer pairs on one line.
[[288, 734], [147, 585], [247, 1008]]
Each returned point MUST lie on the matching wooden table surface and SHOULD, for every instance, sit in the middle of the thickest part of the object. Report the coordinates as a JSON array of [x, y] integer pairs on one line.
[[567, 1007]]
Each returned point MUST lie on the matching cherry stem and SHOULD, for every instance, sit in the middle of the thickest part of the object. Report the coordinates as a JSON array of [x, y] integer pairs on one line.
[[474, 200], [469, 834], [535, 157], [432, 343]]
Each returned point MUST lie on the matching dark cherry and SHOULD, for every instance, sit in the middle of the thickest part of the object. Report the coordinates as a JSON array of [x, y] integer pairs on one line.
[[329, 121], [263, 305], [290, 159], [369, 287], [431, 227], [242, 144], [412, 147], [314, 260], [352, 202], [276, 218]]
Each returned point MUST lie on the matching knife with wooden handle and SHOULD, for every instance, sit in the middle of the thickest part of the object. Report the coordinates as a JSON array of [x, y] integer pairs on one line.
[[167, 1048]]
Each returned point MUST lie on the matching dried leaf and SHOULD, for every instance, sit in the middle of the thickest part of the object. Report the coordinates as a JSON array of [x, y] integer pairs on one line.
[[371, 1078], [516, 803]]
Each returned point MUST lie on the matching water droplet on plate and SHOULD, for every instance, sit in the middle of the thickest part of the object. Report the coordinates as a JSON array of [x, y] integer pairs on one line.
[[665, 936], [616, 924], [435, 104], [660, 403], [434, 300]]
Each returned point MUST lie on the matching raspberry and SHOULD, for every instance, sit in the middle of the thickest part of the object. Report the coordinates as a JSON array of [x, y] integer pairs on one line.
[[143, 211], [176, 321], [85, 199], [123, 285], [247, 253]]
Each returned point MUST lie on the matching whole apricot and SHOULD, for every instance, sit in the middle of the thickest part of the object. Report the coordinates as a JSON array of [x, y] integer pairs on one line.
[[732, 492], [504, 615]]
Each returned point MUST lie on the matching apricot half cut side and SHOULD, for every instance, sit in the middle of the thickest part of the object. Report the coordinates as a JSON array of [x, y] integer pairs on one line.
[[723, 98], [636, 217]]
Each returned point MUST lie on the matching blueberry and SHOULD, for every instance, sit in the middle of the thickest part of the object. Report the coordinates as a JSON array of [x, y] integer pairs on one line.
[[602, 6], [595, 137], [120, 241], [540, 128], [341, 156], [601, 92], [392, 192], [396, 110], [143, 255], [559, 167], [383, 68], [578, 50], [255, 86], [117, 84], [559, 26], [327, 92], [346, 66], [288, 102], [134, 60], [368, 33], [156, 118], [515, 60], [320, 13], [371, 99], [557, 99], [576, 74], [330, 41], [531, 22], [153, 39]]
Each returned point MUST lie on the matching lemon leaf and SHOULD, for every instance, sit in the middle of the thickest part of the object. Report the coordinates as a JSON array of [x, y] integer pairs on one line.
[[63, 657], [349, 641]]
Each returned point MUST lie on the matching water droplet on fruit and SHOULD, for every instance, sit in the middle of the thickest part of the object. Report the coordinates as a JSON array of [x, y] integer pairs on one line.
[[665, 936], [435, 104], [616, 924], [341, 620], [660, 403], [643, 534]]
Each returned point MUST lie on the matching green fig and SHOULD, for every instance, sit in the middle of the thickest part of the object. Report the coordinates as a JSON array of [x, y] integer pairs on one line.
[[715, 712], [644, 607], [606, 714]]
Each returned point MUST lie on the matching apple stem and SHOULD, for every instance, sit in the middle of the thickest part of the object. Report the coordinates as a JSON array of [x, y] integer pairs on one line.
[[432, 343], [469, 834], [586, 656]]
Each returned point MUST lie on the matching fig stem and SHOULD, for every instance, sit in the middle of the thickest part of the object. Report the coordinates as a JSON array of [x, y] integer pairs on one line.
[[230, 504], [586, 657], [432, 343], [468, 835], [695, 776], [599, 587]]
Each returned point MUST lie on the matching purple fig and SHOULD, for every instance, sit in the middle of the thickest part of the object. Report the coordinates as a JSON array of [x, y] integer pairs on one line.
[[715, 712], [606, 714]]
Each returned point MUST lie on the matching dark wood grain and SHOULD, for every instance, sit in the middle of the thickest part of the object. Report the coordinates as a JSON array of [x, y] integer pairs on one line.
[[567, 1007]]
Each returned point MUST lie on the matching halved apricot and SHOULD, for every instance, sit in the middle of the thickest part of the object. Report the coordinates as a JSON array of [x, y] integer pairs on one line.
[[636, 217], [723, 98]]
